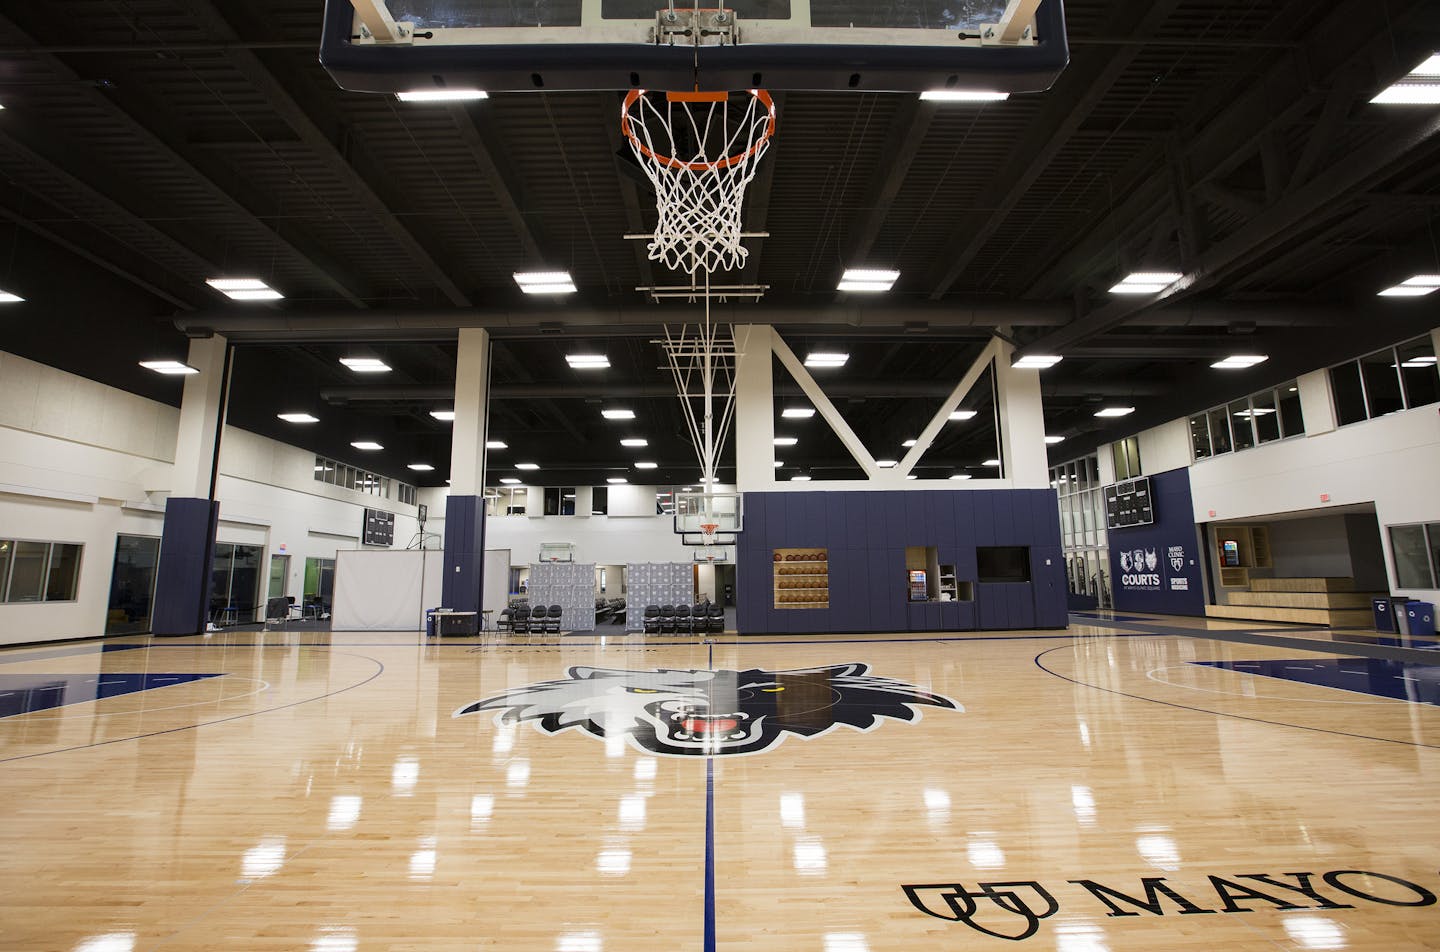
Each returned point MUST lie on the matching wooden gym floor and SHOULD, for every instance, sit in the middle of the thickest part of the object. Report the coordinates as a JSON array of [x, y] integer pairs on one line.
[[1130, 784]]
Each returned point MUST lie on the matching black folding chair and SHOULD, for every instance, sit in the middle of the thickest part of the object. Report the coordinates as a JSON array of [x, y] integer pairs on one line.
[[651, 619], [716, 620], [520, 620], [682, 619], [667, 618], [503, 621], [552, 620]]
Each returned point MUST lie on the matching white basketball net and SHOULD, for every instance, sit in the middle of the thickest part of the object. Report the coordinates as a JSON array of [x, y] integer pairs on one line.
[[700, 158]]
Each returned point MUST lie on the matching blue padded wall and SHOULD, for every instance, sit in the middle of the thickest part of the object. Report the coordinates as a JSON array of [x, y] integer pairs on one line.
[[866, 534], [182, 580], [464, 576], [1164, 588]]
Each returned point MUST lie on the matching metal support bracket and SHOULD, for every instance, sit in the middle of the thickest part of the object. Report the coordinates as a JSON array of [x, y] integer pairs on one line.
[[378, 26], [697, 28]]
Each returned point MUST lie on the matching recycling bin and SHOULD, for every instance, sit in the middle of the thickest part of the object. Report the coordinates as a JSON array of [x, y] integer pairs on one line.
[[1384, 609], [1420, 618]]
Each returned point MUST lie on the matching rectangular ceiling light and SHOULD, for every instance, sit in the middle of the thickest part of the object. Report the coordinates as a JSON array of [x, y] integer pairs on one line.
[[587, 361], [244, 289], [779, 463], [1419, 87], [527, 466], [617, 480], [1146, 282], [886, 463], [545, 282], [824, 359], [1418, 286], [169, 367], [646, 465], [496, 445], [798, 413], [868, 279], [618, 414], [366, 365], [963, 95], [963, 414], [442, 95], [368, 446], [1239, 362], [785, 441], [909, 443], [1036, 362], [1110, 412], [1052, 440], [7, 298], [799, 479], [297, 418], [445, 416], [637, 441], [991, 462], [421, 467], [509, 480], [961, 476]]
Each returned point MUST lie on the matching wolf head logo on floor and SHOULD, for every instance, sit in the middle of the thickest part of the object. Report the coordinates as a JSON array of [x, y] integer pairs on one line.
[[700, 713]]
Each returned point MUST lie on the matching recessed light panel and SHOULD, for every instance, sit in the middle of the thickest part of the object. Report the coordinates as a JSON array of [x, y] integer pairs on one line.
[[868, 279], [509, 480], [421, 467], [1146, 282], [1419, 286], [545, 282], [646, 465], [1036, 362], [171, 368], [991, 462], [964, 95], [1111, 412], [244, 289], [527, 466], [961, 476], [961, 415], [886, 463], [617, 480], [1239, 362], [1052, 440], [445, 416], [368, 446], [618, 414], [797, 413], [799, 479], [909, 443], [1419, 87], [442, 95], [496, 445], [366, 365], [636, 442], [8, 298], [297, 418], [786, 441], [587, 361], [824, 359]]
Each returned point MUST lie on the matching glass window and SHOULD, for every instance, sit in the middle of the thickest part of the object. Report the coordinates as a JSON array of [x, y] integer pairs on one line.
[[600, 501], [1241, 424], [552, 501], [6, 547], [1412, 557], [1219, 431], [567, 501], [27, 572], [1200, 436], [1292, 421], [64, 576], [1417, 371], [1349, 395], [132, 584], [1382, 383], [1266, 417], [1433, 530]]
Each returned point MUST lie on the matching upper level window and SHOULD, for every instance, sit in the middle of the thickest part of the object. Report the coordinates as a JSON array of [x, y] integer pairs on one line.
[[560, 501], [39, 571], [1260, 418], [1127, 458], [1396, 378]]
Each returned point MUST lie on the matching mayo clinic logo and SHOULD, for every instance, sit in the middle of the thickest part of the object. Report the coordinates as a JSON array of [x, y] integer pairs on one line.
[[1179, 582]]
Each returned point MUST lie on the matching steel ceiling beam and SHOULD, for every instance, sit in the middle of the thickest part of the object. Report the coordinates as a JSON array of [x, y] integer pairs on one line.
[[1088, 83], [287, 100], [496, 172], [629, 191], [906, 136], [171, 148]]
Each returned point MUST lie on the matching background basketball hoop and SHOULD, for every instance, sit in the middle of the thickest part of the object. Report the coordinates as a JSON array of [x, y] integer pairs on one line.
[[700, 152]]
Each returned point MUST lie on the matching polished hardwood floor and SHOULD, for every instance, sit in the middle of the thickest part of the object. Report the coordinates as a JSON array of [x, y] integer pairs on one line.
[[1126, 785]]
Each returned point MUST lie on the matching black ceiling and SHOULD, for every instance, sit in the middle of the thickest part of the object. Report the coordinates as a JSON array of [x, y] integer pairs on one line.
[[149, 144]]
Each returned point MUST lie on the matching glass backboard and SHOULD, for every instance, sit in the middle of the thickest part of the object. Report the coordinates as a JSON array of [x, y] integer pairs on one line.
[[392, 46]]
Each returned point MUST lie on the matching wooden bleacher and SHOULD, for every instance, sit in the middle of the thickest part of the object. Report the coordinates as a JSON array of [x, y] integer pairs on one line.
[[1332, 602]]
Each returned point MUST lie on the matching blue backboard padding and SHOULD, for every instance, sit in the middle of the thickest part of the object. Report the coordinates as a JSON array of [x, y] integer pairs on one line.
[[27, 693]]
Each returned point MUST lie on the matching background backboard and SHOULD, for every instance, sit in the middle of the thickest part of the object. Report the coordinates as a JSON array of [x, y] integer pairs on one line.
[[398, 45]]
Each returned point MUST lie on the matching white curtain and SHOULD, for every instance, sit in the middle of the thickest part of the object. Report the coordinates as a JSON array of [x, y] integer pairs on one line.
[[385, 590]]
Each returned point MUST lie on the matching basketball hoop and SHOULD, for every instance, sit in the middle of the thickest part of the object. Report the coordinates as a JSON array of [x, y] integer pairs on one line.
[[700, 159], [707, 532]]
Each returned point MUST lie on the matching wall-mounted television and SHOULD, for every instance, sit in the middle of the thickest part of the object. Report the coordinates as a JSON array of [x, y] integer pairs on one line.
[[1002, 563]]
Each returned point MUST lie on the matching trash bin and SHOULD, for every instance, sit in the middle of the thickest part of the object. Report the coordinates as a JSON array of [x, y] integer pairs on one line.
[[1421, 617], [1384, 610], [432, 620]]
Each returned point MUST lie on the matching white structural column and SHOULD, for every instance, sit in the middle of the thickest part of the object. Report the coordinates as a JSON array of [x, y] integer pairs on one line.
[[1022, 423], [1316, 405], [200, 413], [754, 408], [472, 389]]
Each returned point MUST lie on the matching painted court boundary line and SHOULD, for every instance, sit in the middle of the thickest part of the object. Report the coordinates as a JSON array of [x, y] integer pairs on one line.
[[1264, 637]]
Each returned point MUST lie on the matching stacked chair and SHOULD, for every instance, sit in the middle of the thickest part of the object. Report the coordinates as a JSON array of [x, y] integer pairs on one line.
[[520, 619], [552, 620], [651, 619], [667, 618]]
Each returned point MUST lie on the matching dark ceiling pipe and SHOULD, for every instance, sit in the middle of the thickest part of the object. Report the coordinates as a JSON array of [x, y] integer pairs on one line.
[[914, 320]]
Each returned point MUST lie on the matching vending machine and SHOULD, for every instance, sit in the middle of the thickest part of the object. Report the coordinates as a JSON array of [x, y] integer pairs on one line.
[[918, 592]]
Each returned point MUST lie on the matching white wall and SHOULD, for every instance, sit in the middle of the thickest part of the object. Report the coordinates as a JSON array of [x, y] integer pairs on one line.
[[81, 462], [1391, 462], [1165, 447]]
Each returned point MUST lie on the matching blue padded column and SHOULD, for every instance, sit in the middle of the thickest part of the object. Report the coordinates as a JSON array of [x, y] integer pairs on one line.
[[182, 579], [464, 574]]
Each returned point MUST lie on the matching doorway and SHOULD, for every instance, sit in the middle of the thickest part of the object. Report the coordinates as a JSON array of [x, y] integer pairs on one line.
[[279, 576], [132, 585]]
